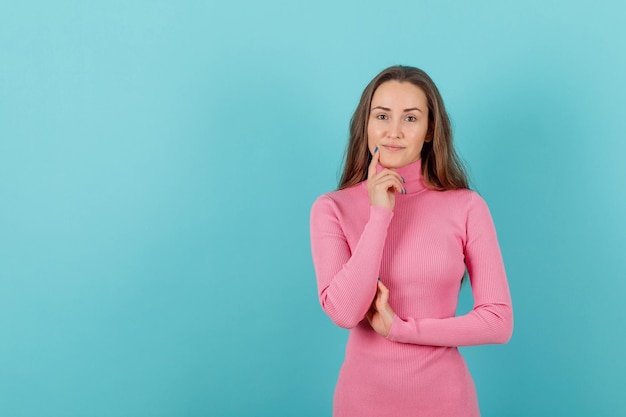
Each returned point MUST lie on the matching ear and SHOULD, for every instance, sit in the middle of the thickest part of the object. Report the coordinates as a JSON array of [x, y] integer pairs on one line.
[[430, 132], [429, 135]]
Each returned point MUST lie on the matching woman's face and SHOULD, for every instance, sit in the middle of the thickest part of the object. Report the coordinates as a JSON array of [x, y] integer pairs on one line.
[[398, 123]]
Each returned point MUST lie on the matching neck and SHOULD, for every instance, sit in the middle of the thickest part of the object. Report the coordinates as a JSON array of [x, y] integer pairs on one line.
[[412, 174]]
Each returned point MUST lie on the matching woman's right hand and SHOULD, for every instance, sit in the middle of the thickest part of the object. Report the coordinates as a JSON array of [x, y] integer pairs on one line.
[[383, 185]]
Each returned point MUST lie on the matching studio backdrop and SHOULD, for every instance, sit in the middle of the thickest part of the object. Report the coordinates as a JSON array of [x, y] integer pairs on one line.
[[158, 161]]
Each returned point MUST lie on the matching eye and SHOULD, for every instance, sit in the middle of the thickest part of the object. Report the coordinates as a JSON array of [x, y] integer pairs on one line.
[[381, 117], [411, 119]]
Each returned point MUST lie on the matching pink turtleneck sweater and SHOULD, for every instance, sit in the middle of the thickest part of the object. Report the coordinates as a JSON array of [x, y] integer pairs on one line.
[[420, 250]]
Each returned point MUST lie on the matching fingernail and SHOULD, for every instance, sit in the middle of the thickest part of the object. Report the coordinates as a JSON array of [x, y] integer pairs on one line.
[[379, 279], [403, 190], [376, 149], [403, 180]]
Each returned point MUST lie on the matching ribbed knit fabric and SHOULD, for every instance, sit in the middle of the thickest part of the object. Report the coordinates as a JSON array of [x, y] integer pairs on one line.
[[420, 251]]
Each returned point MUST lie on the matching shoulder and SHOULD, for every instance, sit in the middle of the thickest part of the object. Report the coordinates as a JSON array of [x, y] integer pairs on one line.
[[340, 198], [476, 210], [476, 202], [471, 198], [341, 207], [463, 204], [462, 198]]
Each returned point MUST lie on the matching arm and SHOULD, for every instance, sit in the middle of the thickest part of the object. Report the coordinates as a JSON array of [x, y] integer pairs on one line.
[[346, 280], [491, 319]]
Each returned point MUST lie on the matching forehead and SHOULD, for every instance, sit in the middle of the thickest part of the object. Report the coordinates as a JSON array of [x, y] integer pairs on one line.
[[399, 94]]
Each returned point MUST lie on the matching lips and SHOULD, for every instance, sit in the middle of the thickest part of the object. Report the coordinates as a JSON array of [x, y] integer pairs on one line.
[[392, 148]]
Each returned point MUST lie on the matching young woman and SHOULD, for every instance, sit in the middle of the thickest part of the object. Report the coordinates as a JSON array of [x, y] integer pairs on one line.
[[390, 248]]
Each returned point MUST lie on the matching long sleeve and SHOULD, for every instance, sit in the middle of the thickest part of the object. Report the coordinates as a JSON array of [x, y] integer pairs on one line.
[[491, 320], [346, 279]]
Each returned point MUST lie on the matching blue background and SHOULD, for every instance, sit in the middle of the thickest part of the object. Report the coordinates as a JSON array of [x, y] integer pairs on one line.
[[158, 160]]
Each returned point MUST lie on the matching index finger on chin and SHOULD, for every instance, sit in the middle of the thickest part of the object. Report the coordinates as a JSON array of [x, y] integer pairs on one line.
[[371, 171]]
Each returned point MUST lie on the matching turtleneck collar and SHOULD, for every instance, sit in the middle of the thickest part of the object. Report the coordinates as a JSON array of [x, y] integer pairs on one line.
[[412, 174]]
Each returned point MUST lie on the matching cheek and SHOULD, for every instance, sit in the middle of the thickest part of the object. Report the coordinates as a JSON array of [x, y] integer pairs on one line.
[[371, 145], [371, 137], [420, 134]]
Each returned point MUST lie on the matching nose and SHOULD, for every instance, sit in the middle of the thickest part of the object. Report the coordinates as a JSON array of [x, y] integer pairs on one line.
[[395, 129]]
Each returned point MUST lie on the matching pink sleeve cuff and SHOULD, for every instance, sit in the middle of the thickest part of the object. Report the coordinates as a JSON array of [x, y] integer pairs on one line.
[[380, 213], [401, 331]]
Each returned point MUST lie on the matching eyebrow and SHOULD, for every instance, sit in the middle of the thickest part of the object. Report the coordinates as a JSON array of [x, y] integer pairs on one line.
[[388, 109]]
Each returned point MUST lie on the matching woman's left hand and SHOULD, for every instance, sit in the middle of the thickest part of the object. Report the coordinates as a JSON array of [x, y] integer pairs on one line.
[[380, 313]]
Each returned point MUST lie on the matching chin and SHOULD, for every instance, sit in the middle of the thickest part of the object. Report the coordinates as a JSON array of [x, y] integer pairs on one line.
[[392, 163]]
